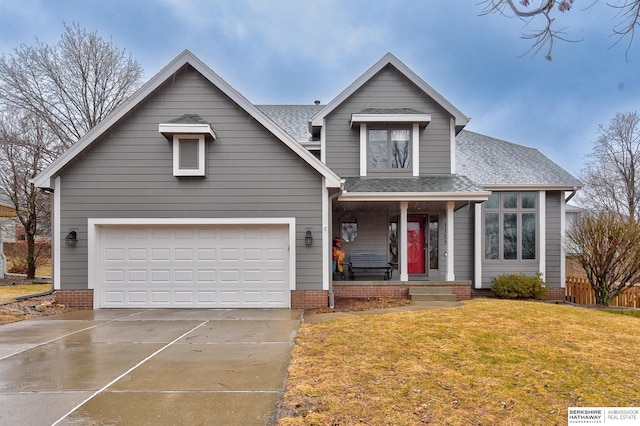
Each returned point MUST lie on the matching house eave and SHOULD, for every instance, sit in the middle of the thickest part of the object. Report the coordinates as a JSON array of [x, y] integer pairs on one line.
[[414, 196], [532, 187], [422, 119], [176, 128]]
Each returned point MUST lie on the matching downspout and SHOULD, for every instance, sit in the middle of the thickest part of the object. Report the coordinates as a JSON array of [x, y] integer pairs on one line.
[[573, 193], [331, 199]]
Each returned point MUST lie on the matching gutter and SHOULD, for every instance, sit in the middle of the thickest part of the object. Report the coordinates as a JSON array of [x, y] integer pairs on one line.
[[573, 193]]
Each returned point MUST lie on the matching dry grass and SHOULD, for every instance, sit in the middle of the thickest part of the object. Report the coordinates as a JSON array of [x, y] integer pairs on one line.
[[8, 293], [489, 362]]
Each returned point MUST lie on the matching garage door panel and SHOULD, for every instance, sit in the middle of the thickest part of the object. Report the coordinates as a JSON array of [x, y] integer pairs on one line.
[[198, 266]]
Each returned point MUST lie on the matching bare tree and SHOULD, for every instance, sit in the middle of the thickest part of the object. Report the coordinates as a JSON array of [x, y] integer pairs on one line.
[[25, 148], [607, 245], [547, 12], [50, 96], [611, 171], [70, 86]]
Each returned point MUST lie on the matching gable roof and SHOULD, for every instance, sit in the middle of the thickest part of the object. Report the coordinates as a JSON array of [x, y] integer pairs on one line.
[[496, 164], [43, 179], [461, 120], [489, 162]]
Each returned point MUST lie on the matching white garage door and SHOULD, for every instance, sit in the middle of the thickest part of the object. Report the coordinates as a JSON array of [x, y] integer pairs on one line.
[[235, 266]]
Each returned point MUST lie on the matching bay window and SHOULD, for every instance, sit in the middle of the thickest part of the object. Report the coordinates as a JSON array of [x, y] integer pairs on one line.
[[510, 226]]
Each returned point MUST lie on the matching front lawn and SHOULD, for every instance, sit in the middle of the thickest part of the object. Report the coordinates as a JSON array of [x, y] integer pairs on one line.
[[489, 362], [8, 293]]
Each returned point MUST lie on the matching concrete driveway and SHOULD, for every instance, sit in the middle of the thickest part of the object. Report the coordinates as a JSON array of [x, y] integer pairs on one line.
[[139, 367]]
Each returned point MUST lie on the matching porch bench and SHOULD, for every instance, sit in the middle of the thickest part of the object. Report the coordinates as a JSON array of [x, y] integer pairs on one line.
[[369, 261]]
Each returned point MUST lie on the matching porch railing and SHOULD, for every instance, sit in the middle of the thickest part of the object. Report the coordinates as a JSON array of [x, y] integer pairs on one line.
[[579, 291]]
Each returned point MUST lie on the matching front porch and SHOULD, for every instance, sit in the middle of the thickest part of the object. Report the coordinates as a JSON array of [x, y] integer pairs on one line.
[[399, 289]]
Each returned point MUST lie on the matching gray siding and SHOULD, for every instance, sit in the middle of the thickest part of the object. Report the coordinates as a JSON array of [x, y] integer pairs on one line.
[[463, 233], [249, 173], [554, 238], [387, 89]]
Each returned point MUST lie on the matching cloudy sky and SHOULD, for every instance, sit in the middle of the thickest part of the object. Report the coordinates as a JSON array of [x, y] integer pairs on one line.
[[297, 51]]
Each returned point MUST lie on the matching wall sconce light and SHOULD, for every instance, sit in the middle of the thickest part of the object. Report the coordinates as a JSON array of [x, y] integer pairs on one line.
[[71, 239], [308, 238]]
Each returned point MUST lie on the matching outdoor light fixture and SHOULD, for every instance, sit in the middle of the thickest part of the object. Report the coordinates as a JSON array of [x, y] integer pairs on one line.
[[308, 238], [71, 239]]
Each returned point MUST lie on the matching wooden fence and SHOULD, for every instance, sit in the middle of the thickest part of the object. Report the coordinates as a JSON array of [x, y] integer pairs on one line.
[[579, 291]]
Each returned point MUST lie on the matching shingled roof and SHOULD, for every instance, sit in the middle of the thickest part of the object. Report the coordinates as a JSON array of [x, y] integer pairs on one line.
[[484, 160], [490, 161], [293, 119]]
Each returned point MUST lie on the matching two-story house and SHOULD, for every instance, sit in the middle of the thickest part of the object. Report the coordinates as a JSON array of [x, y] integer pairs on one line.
[[189, 195]]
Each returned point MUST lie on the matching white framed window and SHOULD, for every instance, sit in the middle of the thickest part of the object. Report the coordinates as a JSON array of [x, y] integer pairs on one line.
[[188, 155], [510, 226], [389, 148]]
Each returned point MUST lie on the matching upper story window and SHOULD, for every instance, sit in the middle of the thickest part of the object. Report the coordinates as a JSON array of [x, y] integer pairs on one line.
[[389, 149], [188, 133], [390, 139], [188, 155]]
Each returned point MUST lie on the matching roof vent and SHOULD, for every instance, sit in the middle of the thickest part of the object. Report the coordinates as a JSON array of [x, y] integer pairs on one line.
[[317, 102]]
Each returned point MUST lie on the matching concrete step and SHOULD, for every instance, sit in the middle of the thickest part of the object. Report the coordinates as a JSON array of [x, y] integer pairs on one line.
[[433, 297], [430, 290], [432, 294]]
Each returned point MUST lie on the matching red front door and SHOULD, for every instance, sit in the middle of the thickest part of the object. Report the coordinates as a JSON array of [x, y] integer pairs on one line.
[[415, 244]]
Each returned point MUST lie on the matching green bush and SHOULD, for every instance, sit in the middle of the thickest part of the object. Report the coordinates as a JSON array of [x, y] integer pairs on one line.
[[519, 286]]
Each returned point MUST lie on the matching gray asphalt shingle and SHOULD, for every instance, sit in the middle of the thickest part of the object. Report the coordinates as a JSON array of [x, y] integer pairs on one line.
[[491, 161], [480, 159], [435, 184]]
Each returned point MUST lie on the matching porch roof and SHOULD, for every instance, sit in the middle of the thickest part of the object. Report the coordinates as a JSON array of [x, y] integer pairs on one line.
[[424, 188]]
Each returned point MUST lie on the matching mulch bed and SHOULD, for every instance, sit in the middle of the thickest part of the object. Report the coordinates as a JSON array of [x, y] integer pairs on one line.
[[350, 304]]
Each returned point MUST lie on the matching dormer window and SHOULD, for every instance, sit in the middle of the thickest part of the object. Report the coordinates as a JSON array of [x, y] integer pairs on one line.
[[390, 140], [188, 134], [389, 149]]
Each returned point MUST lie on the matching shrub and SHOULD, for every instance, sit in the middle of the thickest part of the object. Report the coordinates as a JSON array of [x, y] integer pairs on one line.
[[519, 286]]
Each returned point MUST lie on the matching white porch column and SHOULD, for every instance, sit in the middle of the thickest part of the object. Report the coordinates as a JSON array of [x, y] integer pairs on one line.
[[477, 247], [404, 250], [450, 273]]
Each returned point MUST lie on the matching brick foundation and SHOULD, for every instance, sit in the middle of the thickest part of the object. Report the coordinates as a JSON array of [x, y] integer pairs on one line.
[[79, 299], [461, 289], [309, 299], [556, 293]]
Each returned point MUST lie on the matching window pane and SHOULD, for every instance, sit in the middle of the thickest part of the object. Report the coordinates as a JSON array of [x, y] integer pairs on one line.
[[378, 145], [400, 149], [510, 200], [528, 236], [491, 235], [188, 154], [528, 200], [349, 231], [510, 229], [433, 242], [493, 202], [393, 242], [400, 152]]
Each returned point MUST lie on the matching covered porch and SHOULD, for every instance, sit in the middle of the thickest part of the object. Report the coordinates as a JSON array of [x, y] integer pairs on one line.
[[406, 223]]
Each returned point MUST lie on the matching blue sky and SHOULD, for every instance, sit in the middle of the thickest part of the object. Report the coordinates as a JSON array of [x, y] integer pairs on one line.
[[294, 52]]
